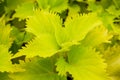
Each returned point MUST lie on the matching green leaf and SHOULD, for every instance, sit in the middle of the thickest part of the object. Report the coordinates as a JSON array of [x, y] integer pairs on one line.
[[21, 37], [83, 61], [87, 0], [112, 56], [117, 3], [94, 7], [97, 36], [43, 25], [76, 28], [13, 4], [4, 76], [5, 43], [74, 9], [26, 10], [62, 66], [43, 46], [116, 28], [43, 22], [53, 5], [106, 3], [112, 10], [5, 61], [38, 69], [5, 35], [2, 9]]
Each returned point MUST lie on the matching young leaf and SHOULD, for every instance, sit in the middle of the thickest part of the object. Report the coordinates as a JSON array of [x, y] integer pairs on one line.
[[83, 61], [38, 69]]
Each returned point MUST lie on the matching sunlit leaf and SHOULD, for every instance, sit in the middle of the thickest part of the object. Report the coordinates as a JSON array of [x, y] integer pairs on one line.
[[38, 69], [44, 46], [97, 36], [77, 27], [83, 61]]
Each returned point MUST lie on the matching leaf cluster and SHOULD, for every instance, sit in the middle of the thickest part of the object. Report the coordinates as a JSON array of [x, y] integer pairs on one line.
[[59, 39]]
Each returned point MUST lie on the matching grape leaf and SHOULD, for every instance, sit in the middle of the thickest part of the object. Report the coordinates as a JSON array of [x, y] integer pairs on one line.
[[53, 5], [83, 61], [38, 69]]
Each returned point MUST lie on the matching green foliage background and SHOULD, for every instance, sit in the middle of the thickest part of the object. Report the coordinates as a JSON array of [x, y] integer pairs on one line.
[[59, 39]]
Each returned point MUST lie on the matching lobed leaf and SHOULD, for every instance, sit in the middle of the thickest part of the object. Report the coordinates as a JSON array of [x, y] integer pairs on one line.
[[5, 62], [5, 35], [83, 61], [43, 26], [97, 36], [43, 22], [76, 28], [38, 69], [43, 46], [112, 56]]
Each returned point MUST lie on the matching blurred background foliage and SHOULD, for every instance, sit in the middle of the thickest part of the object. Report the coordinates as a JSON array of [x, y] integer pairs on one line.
[[16, 12]]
